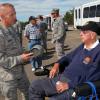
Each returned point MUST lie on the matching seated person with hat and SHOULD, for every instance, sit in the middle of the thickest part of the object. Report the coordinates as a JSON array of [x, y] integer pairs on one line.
[[81, 65]]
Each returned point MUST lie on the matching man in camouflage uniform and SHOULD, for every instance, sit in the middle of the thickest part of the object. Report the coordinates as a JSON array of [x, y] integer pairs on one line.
[[12, 74], [18, 27], [59, 33]]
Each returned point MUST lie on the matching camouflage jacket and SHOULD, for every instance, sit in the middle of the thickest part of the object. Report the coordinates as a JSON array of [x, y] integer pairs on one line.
[[10, 51]]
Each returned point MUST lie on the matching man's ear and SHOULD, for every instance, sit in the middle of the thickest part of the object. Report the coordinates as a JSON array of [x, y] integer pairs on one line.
[[0, 18], [93, 35]]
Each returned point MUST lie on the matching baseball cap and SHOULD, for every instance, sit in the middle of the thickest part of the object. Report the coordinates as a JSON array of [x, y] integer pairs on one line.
[[92, 26], [55, 11], [39, 16], [32, 18]]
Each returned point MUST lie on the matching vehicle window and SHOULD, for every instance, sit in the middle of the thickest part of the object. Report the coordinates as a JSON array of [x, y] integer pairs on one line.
[[86, 12], [98, 11], [79, 13], [76, 13], [92, 11]]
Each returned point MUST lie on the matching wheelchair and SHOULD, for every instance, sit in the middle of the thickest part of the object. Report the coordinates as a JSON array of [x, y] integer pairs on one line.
[[83, 90]]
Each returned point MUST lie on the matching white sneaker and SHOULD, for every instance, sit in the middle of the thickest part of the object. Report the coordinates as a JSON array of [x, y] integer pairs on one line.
[[33, 69], [42, 67]]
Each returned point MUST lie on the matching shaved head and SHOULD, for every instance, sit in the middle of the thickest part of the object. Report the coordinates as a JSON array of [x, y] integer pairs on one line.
[[3, 8], [7, 14]]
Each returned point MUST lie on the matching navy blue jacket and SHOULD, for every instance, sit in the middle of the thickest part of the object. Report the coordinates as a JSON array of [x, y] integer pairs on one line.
[[83, 65]]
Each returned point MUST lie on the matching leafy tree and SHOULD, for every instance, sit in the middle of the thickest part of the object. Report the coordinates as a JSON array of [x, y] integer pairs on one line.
[[69, 17], [24, 24]]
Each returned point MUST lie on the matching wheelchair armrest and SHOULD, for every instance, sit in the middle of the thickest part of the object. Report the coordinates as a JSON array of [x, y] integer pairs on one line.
[[85, 90], [63, 66]]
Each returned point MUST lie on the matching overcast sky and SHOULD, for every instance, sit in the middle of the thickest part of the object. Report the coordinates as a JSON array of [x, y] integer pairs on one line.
[[26, 8]]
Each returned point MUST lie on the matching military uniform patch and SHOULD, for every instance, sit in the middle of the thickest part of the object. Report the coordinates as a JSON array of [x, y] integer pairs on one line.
[[87, 60]]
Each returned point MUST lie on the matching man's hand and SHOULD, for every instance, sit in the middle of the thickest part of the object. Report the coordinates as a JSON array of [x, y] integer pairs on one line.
[[26, 56], [61, 86], [54, 70]]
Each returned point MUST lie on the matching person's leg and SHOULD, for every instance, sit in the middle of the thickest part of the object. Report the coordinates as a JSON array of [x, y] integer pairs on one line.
[[23, 86], [9, 90], [45, 41], [59, 47], [32, 61], [41, 88], [39, 61]]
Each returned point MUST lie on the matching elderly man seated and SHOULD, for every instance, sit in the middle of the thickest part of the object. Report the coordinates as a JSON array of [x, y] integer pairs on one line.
[[82, 65]]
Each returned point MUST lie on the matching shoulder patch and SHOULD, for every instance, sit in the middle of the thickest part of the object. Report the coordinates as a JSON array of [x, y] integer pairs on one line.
[[87, 60]]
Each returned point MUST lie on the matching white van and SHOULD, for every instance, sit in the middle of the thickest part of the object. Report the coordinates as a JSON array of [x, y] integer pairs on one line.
[[87, 12]]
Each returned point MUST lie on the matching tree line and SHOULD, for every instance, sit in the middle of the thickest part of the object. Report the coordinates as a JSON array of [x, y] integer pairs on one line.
[[69, 17]]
